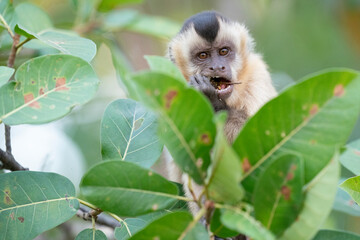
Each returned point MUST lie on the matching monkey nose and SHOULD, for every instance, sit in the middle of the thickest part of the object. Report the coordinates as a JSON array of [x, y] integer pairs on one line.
[[217, 68]]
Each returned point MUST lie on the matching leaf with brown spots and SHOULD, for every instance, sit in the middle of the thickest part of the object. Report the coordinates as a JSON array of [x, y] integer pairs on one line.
[[60, 83], [34, 202], [311, 119], [318, 202], [185, 120], [278, 197]]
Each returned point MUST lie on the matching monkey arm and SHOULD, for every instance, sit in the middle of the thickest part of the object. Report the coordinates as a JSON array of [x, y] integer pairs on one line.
[[202, 84]]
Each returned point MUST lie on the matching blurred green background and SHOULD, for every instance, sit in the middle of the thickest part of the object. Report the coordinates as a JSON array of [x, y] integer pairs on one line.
[[295, 37]]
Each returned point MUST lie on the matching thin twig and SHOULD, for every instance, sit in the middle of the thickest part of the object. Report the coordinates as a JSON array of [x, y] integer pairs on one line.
[[6, 26]]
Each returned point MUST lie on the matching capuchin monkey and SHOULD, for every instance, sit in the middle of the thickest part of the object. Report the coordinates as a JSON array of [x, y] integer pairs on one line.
[[216, 57]]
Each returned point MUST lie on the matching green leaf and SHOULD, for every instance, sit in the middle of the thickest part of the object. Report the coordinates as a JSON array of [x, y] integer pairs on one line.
[[313, 118], [154, 26], [5, 74], [165, 66], [336, 235], [188, 137], [224, 163], [33, 202], [123, 68], [46, 88], [217, 228], [32, 18], [344, 203], [352, 187], [319, 198], [93, 234], [243, 223], [128, 132], [119, 18], [351, 157], [134, 225], [278, 195], [126, 189], [65, 42], [7, 12], [107, 5], [173, 226]]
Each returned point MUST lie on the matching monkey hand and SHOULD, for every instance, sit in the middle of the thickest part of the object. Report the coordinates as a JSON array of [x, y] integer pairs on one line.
[[202, 84]]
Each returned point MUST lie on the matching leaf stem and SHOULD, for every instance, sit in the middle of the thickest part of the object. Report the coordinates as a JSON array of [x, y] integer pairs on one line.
[[7, 26], [87, 204], [22, 43]]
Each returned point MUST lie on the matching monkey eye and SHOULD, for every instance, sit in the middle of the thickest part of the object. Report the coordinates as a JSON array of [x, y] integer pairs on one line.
[[203, 55], [224, 51]]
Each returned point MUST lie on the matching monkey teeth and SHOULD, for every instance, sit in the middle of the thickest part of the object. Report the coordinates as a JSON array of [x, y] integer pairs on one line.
[[219, 83]]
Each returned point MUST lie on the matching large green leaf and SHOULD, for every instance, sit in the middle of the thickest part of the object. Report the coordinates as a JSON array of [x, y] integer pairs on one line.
[[5, 74], [134, 225], [313, 118], [128, 132], [32, 17], [278, 195], [335, 235], [33, 202], [126, 189], [243, 223], [351, 157], [164, 65], [46, 88], [319, 198], [93, 234], [65, 42], [223, 185], [187, 136], [173, 226]]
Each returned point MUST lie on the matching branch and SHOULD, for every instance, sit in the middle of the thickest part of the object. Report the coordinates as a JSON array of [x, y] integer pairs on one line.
[[105, 220], [7, 159], [9, 162]]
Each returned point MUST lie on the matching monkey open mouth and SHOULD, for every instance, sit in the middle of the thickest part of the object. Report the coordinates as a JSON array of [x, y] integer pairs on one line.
[[222, 85]]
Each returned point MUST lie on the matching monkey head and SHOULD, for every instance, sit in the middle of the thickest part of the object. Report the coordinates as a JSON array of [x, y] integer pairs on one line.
[[215, 47]]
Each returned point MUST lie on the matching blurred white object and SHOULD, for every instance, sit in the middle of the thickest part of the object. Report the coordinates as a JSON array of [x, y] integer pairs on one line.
[[46, 148]]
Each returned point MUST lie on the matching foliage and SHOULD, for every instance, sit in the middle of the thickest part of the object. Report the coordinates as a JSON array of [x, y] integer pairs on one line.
[[277, 181]]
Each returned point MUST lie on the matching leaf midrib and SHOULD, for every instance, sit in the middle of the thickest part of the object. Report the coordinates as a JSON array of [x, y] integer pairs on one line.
[[36, 203]]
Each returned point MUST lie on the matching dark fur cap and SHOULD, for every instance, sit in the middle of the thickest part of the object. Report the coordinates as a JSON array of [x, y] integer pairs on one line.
[[206, 24]]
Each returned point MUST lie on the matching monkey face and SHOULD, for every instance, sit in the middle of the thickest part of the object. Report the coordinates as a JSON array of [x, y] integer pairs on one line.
[[215, 47], [214, 62]]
